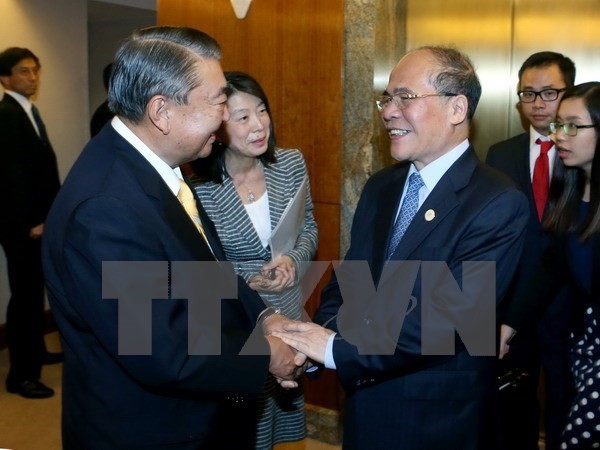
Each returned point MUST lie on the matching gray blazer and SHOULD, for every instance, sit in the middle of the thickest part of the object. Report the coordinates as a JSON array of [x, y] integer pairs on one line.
[[238, 236]]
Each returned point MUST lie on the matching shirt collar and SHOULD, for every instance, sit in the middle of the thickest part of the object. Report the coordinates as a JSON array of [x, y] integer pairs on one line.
[[168, 174], [435, 170], [534, 136], [23, 101]]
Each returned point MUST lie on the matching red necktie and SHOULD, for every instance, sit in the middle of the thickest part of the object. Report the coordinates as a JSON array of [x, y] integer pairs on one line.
[[541, 177]]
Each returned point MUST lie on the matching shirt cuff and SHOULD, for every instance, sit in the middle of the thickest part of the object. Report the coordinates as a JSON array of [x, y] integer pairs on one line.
[[329, 362]]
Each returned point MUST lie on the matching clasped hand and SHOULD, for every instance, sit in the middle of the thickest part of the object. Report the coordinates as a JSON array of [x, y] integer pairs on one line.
[[308, 339], [287, 364]]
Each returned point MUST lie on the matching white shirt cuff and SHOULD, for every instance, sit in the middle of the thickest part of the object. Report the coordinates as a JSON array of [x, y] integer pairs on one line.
[[329, 362]]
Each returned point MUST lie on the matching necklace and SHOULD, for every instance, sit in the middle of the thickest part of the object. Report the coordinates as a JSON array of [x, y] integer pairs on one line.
[[246, 183]]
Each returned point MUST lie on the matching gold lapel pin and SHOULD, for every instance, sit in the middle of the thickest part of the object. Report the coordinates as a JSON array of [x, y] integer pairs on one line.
[[429, 215]]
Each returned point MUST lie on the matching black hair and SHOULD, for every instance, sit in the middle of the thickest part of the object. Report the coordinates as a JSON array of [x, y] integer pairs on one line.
[[212, 168], [10, 57], [568, 183], [548, 58]]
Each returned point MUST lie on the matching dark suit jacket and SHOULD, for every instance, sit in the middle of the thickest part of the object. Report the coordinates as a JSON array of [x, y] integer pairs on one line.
[[512, 158], [28, 171], [115, 207], [408, 400], [551, 274]]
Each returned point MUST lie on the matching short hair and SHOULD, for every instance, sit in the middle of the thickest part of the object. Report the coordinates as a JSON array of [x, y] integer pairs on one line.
[[12, 56], [157, 61], [212, 168], [456, 75], [548, 58]]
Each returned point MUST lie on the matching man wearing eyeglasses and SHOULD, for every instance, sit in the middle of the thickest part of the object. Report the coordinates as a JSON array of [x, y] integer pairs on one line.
[[528, 159], [440, 205]]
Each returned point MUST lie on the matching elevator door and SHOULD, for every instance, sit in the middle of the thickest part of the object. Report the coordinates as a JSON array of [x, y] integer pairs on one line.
[[498, 35]]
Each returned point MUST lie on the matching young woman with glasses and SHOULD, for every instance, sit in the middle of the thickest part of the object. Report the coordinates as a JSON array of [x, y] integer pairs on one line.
[[574, 219]]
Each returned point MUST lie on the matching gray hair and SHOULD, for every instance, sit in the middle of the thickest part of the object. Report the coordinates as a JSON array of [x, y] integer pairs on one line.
[[157, 61], [456, 75]]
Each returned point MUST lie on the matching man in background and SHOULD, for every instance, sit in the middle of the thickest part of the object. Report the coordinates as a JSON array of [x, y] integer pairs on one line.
[[528, 159], [103, 114], [28, 184]]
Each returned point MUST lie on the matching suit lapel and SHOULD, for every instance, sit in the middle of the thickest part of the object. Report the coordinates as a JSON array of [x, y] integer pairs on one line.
[[441, 201], [25, 118], [170, 208], [523, 171], [522, 166], [278, 198], [236, 211], [384, 221]]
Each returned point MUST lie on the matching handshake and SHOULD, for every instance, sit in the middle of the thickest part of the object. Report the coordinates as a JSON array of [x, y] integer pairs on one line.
[[294, 346]]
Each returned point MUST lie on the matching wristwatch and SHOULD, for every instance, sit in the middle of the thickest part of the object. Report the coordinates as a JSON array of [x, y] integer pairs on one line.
[[268, 312]]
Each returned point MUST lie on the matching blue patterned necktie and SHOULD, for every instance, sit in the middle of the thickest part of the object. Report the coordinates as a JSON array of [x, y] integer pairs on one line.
[[409, 208]]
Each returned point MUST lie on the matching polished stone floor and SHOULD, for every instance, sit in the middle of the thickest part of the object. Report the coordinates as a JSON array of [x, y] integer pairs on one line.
[[35, 424]]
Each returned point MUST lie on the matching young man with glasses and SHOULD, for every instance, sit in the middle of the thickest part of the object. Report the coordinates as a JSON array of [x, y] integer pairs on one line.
[[528, 159]]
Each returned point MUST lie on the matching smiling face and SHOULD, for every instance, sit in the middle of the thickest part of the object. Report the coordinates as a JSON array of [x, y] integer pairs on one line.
[[192, 126], [248, 128], [24, 78], [576, 151], [540, 112], [425, 129]]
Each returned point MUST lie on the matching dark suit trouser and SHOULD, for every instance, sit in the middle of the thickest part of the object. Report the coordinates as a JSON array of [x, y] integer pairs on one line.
[[25, 313], [546, 349]]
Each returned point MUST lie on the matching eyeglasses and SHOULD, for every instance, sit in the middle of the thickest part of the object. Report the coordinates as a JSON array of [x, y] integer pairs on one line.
[[548, 95], [570, 129], [402, 100]]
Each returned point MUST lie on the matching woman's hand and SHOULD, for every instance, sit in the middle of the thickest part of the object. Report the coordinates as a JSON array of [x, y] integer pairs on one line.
[[275, 276]]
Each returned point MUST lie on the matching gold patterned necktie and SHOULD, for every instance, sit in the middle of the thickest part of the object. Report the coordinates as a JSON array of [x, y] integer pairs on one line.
[[187, 200]]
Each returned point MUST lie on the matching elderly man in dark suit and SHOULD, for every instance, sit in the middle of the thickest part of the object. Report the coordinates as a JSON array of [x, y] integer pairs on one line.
[[527, 158], [436, 219], [28, 184], [190, 382]]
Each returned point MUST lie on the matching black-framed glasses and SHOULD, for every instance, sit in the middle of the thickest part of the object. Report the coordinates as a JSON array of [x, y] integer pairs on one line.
[[548, 95], [402, 100], [570, 129]]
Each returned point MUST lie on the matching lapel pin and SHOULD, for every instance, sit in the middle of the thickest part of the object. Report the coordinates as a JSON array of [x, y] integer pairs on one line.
[[429, 215]]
